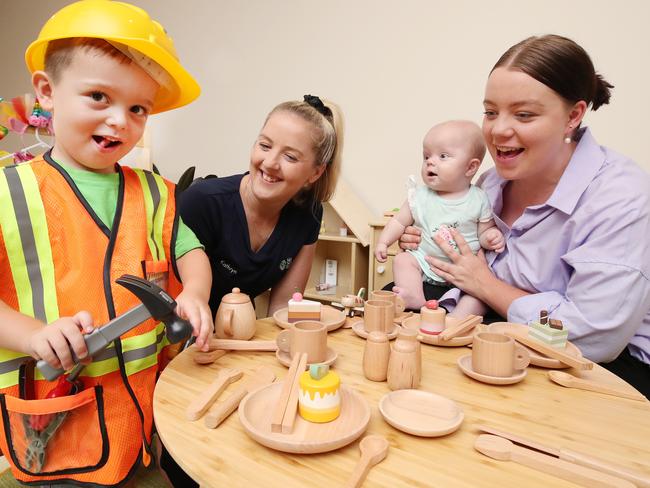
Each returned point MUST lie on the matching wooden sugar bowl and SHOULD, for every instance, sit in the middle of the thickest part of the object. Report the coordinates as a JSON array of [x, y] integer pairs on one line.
[[235, 317]]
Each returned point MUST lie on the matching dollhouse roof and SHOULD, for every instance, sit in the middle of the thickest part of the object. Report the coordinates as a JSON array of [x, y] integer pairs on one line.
[[352, 211]]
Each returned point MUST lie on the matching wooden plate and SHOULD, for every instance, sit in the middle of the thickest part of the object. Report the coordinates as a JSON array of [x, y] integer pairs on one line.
[[285, 358], [434, 340], [360, 329], [536, 358], [421, 413], [307, 437], [330, 316], [402, 316], [465, 365]]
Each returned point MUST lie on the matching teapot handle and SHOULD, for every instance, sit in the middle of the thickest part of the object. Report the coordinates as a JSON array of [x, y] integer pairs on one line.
[[227, 326]]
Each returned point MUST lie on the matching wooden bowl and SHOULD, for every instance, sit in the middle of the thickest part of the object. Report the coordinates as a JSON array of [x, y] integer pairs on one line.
[[421, 413], [331, 317], [536, 358], [255, 412]]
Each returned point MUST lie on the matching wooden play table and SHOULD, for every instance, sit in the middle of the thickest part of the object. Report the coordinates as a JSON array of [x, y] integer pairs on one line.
[[612, 428]]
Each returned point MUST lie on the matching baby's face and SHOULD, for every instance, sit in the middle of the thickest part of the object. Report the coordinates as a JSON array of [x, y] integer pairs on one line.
[[445, 160]]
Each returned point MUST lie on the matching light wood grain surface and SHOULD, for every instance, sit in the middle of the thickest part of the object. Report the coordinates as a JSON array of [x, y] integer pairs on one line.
[[614, 429]]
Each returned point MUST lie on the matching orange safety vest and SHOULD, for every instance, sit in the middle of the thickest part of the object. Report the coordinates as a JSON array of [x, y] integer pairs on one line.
[[57, 258]]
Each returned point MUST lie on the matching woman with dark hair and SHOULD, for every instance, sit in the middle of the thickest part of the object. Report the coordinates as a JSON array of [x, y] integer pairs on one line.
[[576, 215]]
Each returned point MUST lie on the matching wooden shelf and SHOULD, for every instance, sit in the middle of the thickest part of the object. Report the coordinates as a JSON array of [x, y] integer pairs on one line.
[[312, 294], [337, 238]]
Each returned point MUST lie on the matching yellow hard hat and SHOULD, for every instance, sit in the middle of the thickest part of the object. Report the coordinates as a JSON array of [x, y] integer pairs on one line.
[[124, 25]]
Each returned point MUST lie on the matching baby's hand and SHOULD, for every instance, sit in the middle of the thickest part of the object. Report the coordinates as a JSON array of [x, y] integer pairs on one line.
[[54, 342], [191, 307], [381, 252], [494, 240]]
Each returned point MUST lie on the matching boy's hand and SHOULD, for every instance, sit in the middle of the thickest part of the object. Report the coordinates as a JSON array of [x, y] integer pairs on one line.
[[493, 240], [191, 307], [54, 342], [381, 252]]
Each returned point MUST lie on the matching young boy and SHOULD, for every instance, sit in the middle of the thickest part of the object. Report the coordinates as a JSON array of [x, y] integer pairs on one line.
[[71, 222], [453, 152]]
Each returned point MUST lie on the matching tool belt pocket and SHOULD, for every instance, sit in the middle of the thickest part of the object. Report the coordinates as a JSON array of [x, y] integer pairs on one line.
[[57, 435]]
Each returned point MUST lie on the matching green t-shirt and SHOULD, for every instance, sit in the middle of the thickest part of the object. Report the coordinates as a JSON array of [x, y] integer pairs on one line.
[[100, 191]]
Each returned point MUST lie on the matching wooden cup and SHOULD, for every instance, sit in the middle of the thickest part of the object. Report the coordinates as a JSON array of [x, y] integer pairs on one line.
[[305, 336], [389, 296], [378, 315], [497, 355]]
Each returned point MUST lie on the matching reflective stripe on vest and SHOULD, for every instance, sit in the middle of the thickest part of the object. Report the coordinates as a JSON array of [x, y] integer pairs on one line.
[[155, 201], [24, 229]]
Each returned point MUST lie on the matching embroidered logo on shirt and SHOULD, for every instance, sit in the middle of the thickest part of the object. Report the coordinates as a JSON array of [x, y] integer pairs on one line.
[[285, 263], [228, 267]]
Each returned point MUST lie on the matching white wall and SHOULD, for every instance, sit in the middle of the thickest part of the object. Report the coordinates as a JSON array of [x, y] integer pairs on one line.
[[395, 68]]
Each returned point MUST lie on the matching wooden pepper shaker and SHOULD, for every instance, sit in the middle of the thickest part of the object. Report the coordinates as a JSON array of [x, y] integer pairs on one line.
[[375, 356], [404, 366]]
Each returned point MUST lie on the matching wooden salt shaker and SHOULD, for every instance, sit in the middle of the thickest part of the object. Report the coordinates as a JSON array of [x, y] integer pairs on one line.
[[412, 335], [404, 365], [375, 356]]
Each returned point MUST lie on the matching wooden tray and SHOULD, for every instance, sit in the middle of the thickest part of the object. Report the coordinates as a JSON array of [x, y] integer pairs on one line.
[[465, 365], [434, 340], [330, 316], [536, 358], [421, 413], [307, 437]]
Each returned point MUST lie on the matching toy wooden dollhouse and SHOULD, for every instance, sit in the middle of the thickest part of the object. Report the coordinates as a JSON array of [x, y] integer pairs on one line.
[[344, 237]]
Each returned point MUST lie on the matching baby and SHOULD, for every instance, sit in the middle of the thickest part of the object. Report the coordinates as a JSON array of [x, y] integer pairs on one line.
[[453, 152]]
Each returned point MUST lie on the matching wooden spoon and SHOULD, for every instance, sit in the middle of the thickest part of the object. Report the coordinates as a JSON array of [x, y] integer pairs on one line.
[[504, 450], [570, 381], [374, 449]]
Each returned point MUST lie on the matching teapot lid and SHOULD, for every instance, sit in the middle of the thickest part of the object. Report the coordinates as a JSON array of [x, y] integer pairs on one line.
[[236, 297]]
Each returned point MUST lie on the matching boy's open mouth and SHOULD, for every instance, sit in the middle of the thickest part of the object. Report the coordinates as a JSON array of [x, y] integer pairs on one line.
[[431, 174], [106, 142]]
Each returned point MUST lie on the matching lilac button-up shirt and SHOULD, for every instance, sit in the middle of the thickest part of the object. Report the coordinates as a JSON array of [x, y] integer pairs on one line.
[[584, 255]]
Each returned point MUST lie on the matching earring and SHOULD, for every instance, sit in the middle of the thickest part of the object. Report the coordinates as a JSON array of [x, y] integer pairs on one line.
[[568, 138]]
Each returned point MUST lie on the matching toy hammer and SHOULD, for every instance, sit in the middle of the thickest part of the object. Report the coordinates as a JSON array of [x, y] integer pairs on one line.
[[156, 304]]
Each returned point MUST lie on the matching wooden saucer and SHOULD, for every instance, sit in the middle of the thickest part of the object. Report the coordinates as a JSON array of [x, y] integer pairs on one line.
[[536, 358], [360, 329], [285, 358], [465, 365], [434, 340], [307, 437], [330, 316], [402, 316], [421, 413]]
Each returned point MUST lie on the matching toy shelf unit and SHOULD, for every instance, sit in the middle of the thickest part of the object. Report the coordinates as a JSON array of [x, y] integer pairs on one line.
[[380, 274], [350, 251]]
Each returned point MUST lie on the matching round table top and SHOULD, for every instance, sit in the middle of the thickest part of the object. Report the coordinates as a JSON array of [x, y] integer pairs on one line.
[[614, 429]]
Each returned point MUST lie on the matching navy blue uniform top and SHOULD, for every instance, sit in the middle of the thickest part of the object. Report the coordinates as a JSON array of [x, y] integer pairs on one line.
[[213, 209]]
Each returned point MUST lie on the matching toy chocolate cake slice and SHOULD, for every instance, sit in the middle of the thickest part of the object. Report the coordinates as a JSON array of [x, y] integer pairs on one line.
[[302, 309], [549, 331]]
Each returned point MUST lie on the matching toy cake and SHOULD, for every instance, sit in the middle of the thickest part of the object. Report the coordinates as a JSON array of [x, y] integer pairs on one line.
[[432, 318], [319, 399], [549, 331], [301, 309]]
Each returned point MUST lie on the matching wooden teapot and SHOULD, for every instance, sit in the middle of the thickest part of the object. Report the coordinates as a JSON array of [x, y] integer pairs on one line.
[[235, 317]]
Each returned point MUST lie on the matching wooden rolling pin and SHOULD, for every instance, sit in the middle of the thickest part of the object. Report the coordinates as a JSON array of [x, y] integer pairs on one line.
[[237, 345]]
